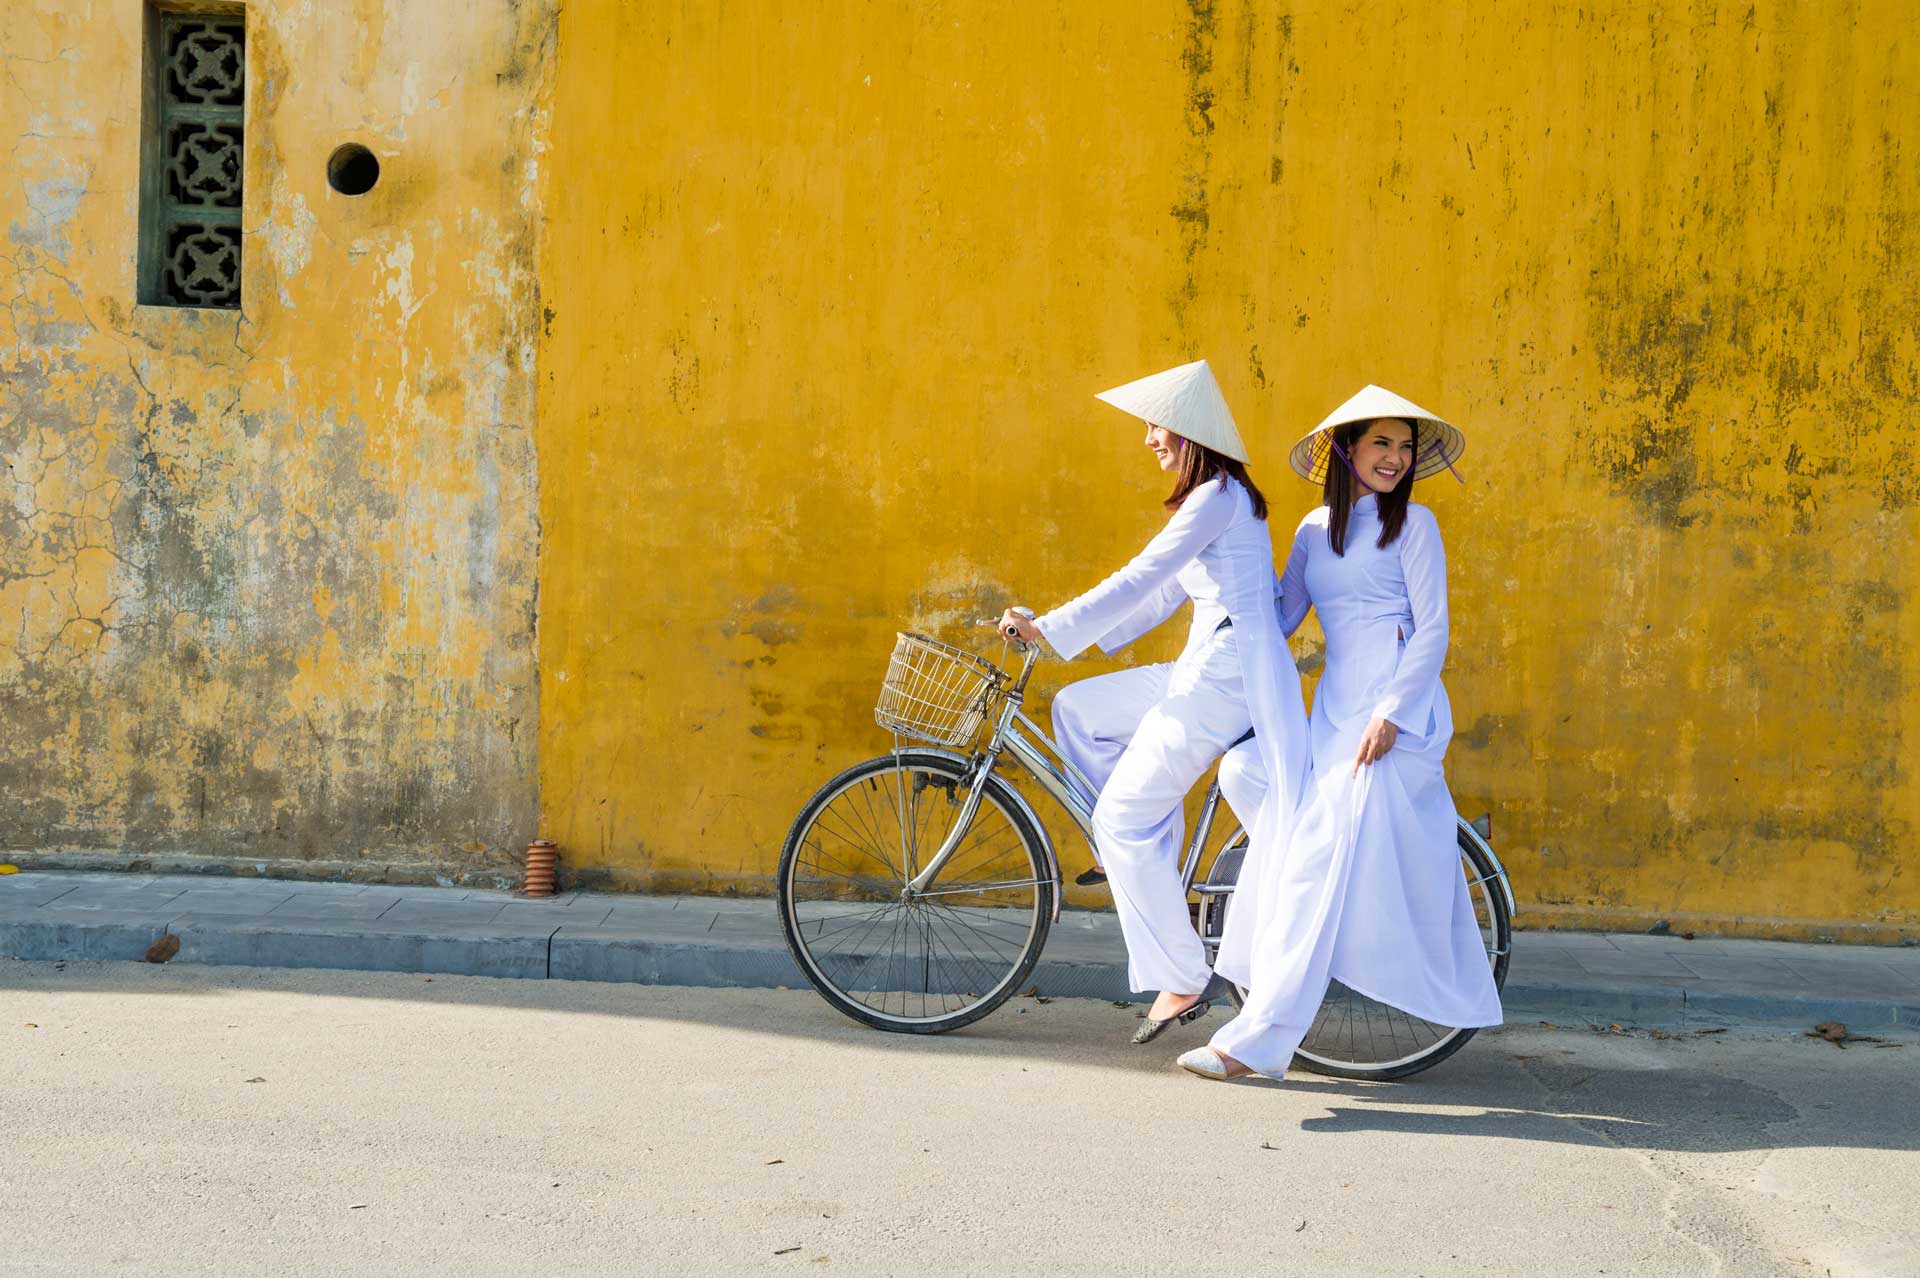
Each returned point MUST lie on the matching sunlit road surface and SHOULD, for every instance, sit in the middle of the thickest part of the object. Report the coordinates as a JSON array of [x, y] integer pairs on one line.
[[178, 1120]]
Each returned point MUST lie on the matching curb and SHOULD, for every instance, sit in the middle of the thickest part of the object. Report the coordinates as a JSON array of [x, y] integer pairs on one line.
[[1676, 1005], [625, 955]]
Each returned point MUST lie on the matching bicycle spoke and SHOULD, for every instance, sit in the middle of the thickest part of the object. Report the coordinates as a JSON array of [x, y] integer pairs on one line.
[[822, 932], [958, 922], [856, 975], [980, 919], [852, 943], [846, 836], [871, 820], [941, 954], [980, 976], [846, 872]]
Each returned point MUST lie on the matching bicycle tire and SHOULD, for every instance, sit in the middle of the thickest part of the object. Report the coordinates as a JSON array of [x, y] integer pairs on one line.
[[815, 969], [1500, 952]]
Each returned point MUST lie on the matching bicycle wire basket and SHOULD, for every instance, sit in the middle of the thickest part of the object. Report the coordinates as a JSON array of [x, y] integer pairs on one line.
[[935, 692]]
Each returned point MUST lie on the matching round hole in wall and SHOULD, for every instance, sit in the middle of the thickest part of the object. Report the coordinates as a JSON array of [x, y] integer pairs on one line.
[[352, 169]]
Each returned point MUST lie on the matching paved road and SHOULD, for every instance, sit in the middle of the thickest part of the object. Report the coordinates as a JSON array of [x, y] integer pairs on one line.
[[177, 1120]]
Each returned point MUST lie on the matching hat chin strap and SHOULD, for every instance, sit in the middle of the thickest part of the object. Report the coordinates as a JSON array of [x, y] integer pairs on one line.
[[1439, 446], [1341, 453]]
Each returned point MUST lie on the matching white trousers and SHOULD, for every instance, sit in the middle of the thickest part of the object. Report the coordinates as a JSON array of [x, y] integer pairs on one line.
[[1243, 781], [1143, 737]]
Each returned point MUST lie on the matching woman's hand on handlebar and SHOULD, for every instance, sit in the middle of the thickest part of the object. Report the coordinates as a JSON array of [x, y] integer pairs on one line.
[[1013, 625]]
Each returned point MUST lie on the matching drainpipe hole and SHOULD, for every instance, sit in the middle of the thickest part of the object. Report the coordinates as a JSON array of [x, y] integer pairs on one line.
[[352, 169]]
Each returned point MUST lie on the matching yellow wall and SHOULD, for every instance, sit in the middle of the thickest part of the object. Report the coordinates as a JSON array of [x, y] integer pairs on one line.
[[791, 316], [267, 579], [831, 288]]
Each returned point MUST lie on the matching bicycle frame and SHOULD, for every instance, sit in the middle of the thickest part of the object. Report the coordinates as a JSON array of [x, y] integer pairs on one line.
[[1028, 744]]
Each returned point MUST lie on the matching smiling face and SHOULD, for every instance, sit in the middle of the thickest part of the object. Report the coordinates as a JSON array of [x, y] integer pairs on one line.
[[1166, 446], [1383, 453]]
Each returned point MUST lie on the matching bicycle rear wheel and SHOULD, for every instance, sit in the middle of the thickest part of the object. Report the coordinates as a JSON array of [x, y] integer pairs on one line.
[[937, 960], [1358, 1037]]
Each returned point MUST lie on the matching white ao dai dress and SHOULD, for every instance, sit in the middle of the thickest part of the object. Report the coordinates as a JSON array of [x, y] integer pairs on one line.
[[1368, 888]]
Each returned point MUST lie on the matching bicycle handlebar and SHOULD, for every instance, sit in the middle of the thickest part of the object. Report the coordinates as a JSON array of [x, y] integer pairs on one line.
[[1031, 651], [1008, 633]]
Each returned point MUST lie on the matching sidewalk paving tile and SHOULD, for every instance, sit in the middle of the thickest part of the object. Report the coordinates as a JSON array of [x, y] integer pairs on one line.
[[594, 900], [308, 907], [557, 915], [412, 910], [106, 898], [1859, 982], [1657, 966], [1640, 943], [250, 901], [1741, 968], [33, 889], [1536, 957], [764, 923], [735, 904], [624, 912], [1865, 961]]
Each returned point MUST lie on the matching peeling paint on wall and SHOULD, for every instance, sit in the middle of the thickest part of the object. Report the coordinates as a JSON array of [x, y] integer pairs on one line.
[[267, 578]]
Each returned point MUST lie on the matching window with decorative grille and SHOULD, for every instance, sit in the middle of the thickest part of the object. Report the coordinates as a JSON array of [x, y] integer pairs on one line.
[[194, 139]]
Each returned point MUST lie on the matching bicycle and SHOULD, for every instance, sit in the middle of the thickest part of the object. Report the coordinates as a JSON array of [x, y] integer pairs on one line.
[[948, 936]]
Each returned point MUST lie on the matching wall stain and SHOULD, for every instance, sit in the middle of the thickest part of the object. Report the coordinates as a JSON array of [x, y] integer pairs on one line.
[[1190, 212], [268, 575]]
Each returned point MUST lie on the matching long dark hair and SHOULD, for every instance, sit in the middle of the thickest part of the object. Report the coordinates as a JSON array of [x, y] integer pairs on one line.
[[1340, 483], [1198, 464]]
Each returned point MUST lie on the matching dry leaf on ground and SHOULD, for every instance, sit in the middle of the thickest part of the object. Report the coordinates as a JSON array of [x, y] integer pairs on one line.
[[1834, 1032]]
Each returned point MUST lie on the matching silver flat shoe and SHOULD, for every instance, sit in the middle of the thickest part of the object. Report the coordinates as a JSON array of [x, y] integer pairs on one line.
[[1208, 1063], [1151, 1029]]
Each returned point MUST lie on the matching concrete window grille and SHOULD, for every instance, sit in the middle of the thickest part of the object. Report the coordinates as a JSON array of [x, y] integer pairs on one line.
[[192, 156]]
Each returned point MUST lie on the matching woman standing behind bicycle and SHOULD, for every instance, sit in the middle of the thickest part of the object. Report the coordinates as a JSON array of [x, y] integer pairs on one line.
[[1144, 736], [1369, 890]]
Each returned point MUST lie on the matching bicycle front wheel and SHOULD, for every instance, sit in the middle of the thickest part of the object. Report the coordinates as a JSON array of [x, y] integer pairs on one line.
[[926, 962], [1354, 1036]]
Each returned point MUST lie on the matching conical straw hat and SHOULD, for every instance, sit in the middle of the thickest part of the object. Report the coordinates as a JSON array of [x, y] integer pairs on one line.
[[1187, 401], [1440, 441]]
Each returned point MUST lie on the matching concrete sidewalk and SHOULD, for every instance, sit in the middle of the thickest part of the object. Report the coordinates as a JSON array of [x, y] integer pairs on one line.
[[723, 941]]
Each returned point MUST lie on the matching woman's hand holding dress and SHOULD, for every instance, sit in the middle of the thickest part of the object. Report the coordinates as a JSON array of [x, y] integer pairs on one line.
[[1375, 742]]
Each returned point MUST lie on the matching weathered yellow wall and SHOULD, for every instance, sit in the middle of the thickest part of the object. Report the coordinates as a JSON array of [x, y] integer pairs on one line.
[[832, 287], [267, 580]]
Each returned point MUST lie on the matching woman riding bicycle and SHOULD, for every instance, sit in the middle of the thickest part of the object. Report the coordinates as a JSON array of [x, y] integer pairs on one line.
[[1144, 736], [1368, 890]]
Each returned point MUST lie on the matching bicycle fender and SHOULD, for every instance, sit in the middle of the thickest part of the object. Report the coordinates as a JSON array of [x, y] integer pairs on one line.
[[1499, 870]]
